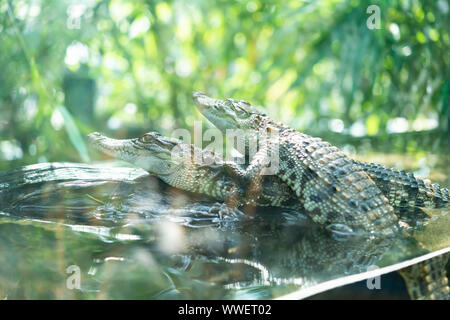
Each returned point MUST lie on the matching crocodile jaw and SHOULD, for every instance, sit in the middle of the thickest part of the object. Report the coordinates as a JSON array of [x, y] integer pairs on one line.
[[127, 151], [207, 106]]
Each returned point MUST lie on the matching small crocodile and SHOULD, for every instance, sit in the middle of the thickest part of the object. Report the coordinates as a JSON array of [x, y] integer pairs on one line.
[[173, 161]]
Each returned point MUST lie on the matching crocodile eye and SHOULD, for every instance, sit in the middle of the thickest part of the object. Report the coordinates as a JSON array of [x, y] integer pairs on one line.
[[241, 113], [245, 103], [146, 137]]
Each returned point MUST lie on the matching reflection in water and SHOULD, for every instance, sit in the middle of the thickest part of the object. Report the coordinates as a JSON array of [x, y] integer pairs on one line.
[[132, 236]]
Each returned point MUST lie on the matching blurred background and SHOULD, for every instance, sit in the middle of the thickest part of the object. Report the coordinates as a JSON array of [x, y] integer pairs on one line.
[[126, 67]]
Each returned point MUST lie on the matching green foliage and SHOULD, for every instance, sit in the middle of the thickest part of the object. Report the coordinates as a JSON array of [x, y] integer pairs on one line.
[[126, 67]]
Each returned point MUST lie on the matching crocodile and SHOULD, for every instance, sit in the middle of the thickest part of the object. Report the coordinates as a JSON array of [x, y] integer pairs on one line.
[[172, 161], [402, 189], [426, 280], [315, 163]]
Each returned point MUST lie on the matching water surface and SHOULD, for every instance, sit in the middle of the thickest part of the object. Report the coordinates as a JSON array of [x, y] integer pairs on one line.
[[130, 236]]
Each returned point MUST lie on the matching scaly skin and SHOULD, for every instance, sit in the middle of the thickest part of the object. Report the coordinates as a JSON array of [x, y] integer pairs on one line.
[[156, 154], [176, 167], [330, 187], [402, 189], [428, 280]]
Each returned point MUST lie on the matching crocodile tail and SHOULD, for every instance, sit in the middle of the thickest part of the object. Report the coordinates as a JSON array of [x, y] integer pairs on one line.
[[428, 279], [405, 190]]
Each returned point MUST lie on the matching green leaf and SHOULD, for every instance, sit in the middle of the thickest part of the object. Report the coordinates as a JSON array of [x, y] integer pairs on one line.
[[74, 134]]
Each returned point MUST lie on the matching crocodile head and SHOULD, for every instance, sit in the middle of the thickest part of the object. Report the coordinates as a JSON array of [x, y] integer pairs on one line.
[[230, 114], [151, 151]]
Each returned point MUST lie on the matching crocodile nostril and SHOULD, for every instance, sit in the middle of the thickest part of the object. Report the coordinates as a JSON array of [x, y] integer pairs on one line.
[[197, 95]]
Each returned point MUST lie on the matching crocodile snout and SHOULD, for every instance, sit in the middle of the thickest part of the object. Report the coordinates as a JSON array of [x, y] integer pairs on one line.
[[94, 136], [198, 94]]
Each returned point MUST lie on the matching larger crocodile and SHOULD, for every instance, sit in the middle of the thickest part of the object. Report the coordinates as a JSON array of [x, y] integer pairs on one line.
[[300, 154], [331, 186], [403, 189]]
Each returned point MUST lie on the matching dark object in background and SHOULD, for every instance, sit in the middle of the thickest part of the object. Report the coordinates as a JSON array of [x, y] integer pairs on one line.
[[79, 94]]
